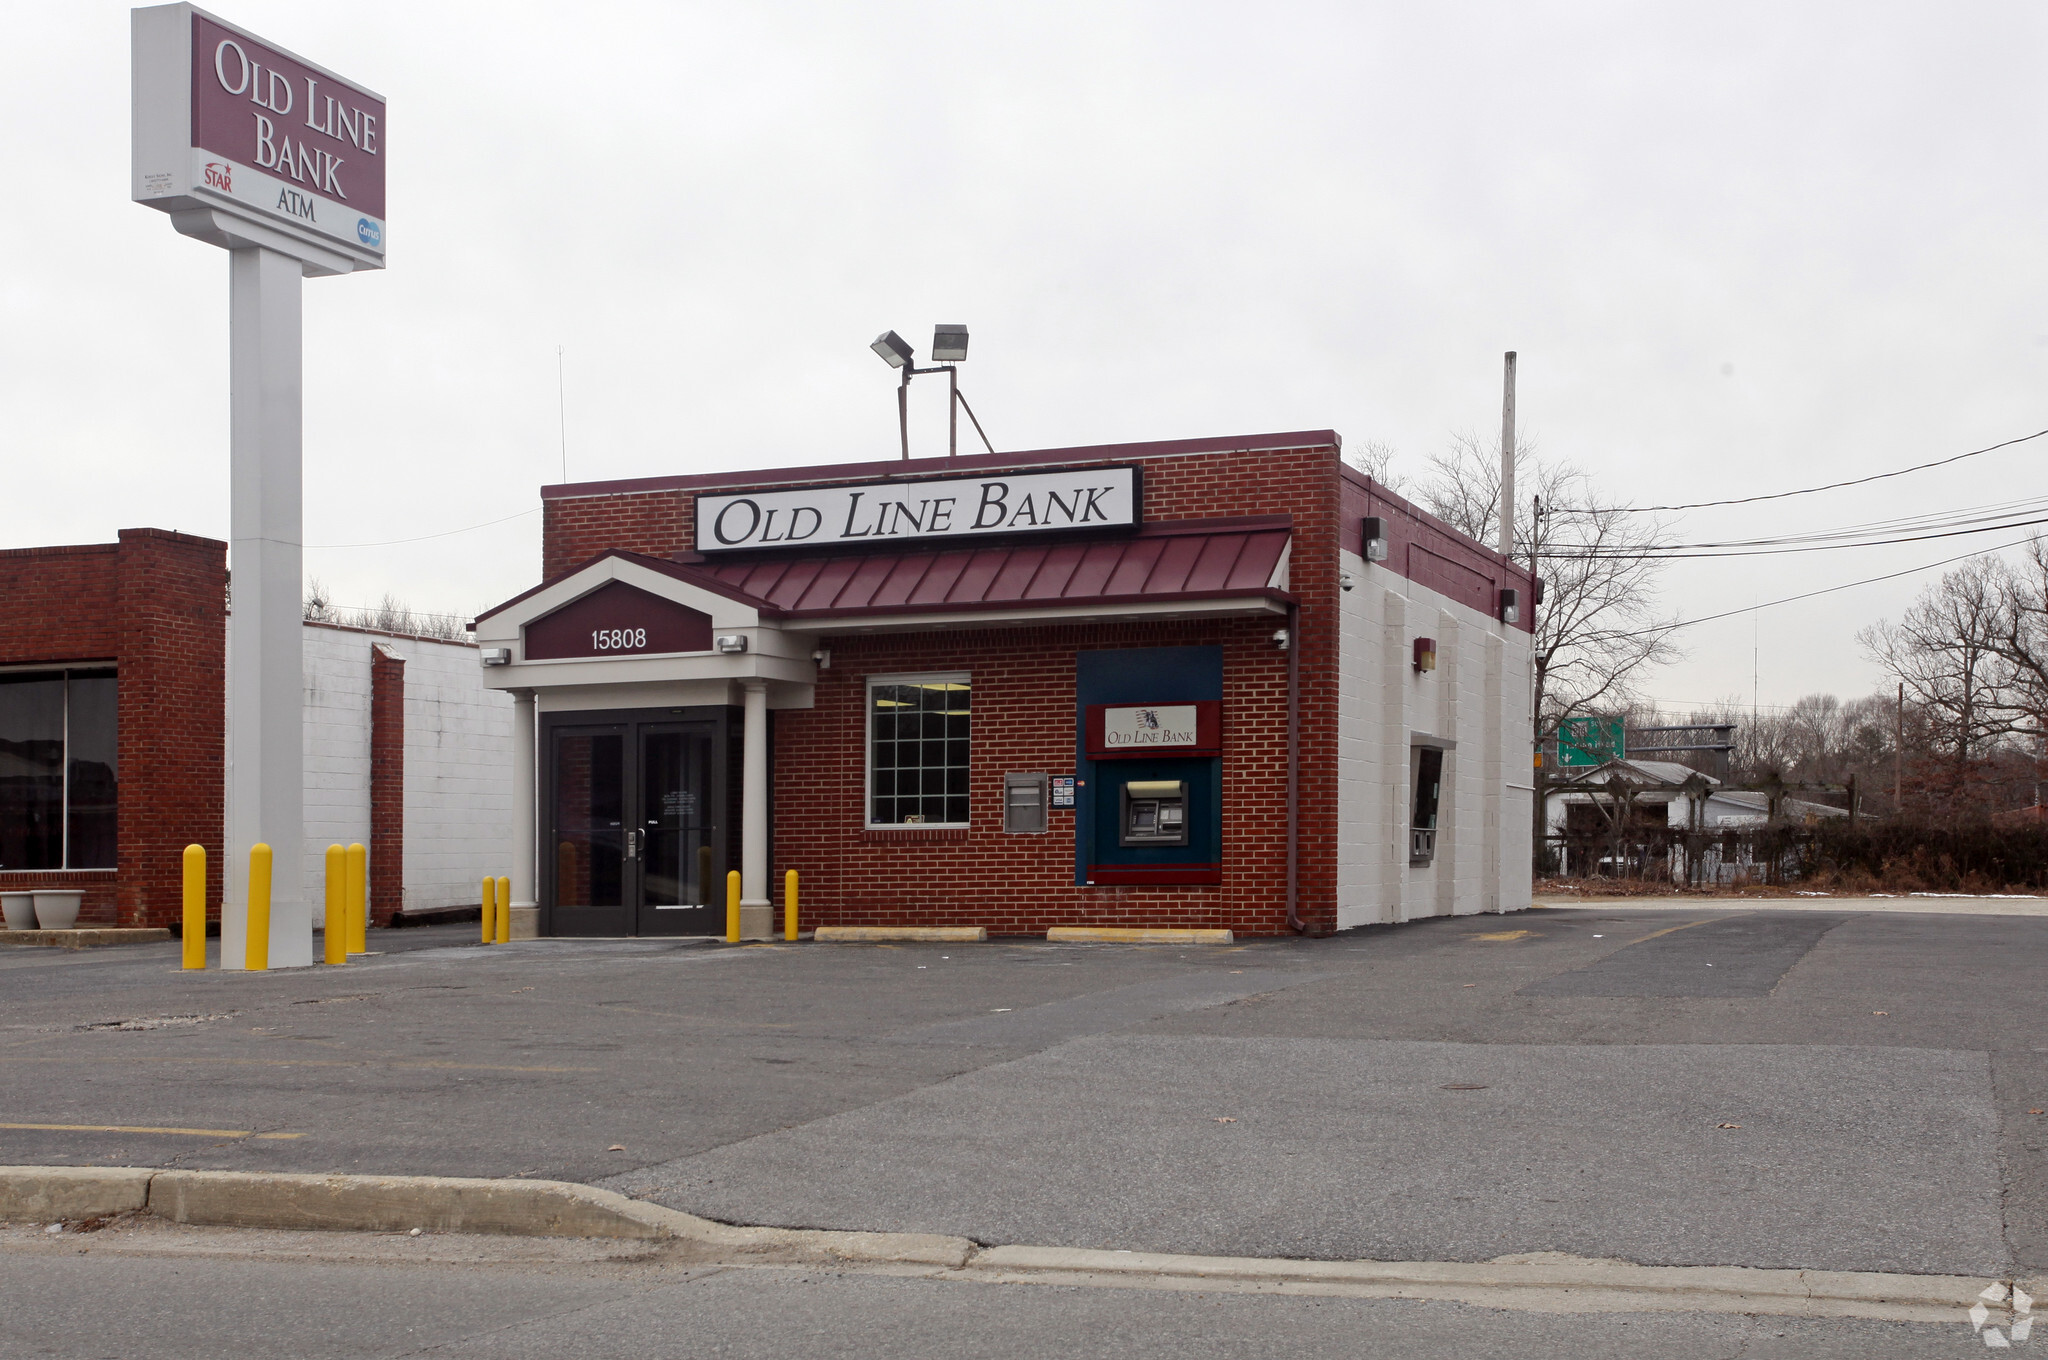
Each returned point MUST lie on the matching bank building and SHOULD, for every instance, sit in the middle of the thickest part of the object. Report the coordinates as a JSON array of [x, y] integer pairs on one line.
[[1220, 683]]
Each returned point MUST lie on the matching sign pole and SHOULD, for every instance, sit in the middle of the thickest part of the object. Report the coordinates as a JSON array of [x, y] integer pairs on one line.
[[280, 162], [266, 679]]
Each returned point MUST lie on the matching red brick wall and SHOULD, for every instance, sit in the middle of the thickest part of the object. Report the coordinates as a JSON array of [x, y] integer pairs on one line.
[[1024, 720], [155, 605], [387, 784], [173, 704]]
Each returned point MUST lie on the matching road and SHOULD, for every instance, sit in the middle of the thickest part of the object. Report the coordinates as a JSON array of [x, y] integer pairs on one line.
[[1835, 1090], [190, 1295]]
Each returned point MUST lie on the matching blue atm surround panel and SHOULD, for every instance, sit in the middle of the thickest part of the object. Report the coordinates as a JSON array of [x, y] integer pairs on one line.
[[1146, 675]]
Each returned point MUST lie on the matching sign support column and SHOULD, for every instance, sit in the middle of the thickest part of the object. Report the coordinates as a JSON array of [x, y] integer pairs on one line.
[[266, 676], [280, 162]]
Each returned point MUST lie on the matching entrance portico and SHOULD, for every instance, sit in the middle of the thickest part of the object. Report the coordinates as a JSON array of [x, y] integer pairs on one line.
[[651, 690]]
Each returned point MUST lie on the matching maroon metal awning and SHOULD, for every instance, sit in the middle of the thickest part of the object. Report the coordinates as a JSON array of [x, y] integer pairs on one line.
[[1160, 564]]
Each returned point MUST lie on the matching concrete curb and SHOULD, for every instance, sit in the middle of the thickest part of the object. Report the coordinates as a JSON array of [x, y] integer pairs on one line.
[[90, 937], [456, 1204], [884, 934], [1540, 1281], [1135, 935]]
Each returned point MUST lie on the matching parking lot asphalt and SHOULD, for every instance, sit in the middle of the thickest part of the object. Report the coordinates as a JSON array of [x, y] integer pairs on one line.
[[1448, 1089]]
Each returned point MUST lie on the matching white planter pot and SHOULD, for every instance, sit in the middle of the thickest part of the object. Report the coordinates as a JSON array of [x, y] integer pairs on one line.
[[57, 909], [19, 909]]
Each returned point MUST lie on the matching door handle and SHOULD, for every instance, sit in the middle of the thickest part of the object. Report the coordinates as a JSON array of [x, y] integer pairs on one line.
[[632, 845]]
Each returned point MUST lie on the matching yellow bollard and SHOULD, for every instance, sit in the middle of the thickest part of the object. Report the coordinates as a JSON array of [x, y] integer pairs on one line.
[[789, 905], [358, 898], [504, 911], [256, 950], [334, 935], [732, 907], [489, 902], [195, 906]]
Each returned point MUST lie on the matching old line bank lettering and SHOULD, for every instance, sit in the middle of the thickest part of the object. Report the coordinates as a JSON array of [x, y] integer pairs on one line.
[[261, 108], [1163, 725], [945, 507]]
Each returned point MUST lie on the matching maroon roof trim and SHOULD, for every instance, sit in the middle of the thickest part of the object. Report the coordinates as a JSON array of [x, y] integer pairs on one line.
[[918, 468], [1230, 559], [1425, 550]]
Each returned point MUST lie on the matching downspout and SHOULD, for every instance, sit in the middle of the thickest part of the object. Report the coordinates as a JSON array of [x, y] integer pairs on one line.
[[1294, 770]]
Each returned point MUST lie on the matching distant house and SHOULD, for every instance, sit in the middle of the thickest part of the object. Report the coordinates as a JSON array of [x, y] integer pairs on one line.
[[1664, 800]]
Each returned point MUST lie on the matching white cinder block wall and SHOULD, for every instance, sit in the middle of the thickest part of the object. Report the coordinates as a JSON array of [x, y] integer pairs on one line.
[[1477, 703], [458, 763], [458, 773]]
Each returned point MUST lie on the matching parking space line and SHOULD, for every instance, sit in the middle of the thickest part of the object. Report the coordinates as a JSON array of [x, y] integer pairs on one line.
[[148, 1128]]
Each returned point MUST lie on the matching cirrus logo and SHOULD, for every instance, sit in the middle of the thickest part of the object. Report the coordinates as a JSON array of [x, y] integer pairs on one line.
[[368, 232]]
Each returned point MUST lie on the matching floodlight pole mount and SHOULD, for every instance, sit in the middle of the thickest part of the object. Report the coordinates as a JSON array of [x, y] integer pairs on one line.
[[953, 340]]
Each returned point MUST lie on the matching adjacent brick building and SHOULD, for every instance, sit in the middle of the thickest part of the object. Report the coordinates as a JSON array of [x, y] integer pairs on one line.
[[1223, 682], [113, 750]]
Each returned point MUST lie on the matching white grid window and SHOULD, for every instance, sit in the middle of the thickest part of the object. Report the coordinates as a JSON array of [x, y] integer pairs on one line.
[[917, 750]]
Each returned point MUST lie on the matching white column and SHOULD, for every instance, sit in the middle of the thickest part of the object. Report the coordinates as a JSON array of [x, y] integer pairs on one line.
[[525, 815], [266, 676], [755, 908]]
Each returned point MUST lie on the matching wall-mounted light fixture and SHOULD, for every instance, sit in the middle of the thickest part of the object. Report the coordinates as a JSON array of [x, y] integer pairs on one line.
[[497, 656], [1536, 591], [1510, 606], [1346, 579], [949, 348], [1281, 639], [732, 642], [1425, 654], [1374, 545]]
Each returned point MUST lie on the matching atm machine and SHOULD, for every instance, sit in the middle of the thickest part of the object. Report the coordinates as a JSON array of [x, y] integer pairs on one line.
[[1156, 770]]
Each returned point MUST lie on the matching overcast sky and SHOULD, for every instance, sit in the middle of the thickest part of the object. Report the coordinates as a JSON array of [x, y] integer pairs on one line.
[[1739, 248]]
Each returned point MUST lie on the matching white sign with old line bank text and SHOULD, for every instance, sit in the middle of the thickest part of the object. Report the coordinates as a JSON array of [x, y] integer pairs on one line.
[[940, 507]]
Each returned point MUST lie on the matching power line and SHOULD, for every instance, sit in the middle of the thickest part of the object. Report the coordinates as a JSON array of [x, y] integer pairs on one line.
[[1683, 551], [446, 533], [1831, 486], [1829, 590]]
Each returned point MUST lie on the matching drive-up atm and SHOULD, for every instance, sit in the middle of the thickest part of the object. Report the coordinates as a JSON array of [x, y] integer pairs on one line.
[[1151, 762]]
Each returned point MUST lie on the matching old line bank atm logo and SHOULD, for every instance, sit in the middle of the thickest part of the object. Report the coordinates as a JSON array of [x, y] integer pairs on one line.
[[2019, 1321], [1164, 725]]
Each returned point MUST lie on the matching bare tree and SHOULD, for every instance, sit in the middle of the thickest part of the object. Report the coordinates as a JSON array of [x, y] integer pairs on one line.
[[389, 615], [1944, 650], [1597, 630], [1375, 458]]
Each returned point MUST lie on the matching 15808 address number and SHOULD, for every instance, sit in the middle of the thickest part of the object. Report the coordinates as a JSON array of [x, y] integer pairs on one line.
[[617, 639]]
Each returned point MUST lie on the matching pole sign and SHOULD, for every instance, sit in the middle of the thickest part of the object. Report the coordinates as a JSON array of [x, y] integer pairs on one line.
[[244, 143], [940, 507]]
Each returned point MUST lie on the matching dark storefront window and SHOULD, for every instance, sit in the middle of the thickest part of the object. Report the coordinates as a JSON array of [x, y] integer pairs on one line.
[[917, 750], [58, 771]]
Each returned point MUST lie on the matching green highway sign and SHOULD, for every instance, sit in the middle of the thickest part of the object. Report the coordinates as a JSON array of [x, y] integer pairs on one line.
[[1590, 741]]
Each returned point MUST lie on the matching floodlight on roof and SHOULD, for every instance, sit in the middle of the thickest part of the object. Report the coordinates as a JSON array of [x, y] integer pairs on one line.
[[895, 351], [949, 344]]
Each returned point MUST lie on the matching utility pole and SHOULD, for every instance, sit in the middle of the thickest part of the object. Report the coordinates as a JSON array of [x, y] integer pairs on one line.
[[1507, 460], [1899, 753]]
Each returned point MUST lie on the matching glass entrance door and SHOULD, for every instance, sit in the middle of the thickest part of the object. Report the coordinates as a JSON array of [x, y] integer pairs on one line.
[[675, 850], [635, 836]]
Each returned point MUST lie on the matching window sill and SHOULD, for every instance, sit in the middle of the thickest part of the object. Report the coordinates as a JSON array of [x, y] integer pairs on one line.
[[949, 832], [44, 873]]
